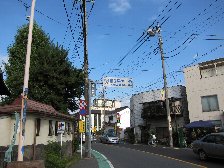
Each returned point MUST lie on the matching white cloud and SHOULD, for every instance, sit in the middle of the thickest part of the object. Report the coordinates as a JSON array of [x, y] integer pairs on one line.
[[119, 6], [125, 102]]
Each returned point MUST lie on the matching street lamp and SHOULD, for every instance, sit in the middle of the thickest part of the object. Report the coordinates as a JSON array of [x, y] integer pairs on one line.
[[152, 33]]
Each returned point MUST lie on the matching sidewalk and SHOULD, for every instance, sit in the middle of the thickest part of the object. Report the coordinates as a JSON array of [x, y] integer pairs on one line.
[[86, 163]]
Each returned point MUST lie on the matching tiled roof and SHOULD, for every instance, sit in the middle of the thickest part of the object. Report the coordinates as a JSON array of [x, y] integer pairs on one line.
[[33, 107]]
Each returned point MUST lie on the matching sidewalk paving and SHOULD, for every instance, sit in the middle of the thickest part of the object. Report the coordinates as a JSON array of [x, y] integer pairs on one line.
[[86, 163]]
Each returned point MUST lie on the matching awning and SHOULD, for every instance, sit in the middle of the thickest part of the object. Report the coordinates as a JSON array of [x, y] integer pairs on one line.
[[200, 124]]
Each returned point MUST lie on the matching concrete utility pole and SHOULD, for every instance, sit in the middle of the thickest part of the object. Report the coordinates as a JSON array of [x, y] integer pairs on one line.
[[86, 89], [25, 88], [152, 32]]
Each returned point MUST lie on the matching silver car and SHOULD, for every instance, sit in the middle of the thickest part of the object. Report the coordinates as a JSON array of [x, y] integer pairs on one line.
[[211, 145], [109, 138]]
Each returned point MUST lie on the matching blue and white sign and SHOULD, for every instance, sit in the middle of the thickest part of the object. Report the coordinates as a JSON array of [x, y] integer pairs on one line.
[[117, 82]]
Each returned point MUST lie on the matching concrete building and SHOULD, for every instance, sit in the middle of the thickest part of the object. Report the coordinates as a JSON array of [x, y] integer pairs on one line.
[[205, 91], [148, 111], [119, 118], [41, 127], [98, 110]]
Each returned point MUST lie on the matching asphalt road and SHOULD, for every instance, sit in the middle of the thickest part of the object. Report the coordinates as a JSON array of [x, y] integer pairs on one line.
[[144, 156]]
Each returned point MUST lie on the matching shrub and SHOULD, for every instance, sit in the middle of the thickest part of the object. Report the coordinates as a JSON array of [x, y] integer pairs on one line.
[[53, 158]]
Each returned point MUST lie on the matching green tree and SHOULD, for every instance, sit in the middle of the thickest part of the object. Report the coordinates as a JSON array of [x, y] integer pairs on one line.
[[53, 80]]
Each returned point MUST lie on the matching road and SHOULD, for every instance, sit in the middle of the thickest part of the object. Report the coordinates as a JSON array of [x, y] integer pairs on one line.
[[144, 156]]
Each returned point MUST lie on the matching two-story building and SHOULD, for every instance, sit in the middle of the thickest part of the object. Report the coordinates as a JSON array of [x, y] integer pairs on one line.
[[205, 91], [148, 111]]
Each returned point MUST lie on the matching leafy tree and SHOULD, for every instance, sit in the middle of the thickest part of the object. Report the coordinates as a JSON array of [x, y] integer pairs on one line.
[[53, 80]]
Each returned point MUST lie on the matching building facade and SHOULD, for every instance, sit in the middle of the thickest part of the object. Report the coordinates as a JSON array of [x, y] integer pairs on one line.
[[98, 111], [148, 112], [205, 91]]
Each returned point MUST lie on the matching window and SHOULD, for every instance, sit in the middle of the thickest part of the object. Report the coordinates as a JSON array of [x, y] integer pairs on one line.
[[69, 129], [219, 139], [56, 128], [209, 139], [51, 130], [110, 118], [37, 126], [209, 103]]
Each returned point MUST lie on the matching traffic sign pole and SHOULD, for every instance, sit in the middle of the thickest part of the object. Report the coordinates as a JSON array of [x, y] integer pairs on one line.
[[81, 145]]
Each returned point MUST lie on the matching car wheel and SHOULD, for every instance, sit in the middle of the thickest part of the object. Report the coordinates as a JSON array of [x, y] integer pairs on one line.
[[202, 155]]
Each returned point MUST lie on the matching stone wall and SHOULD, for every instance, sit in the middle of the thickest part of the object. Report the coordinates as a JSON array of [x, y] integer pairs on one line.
[[29, 154]]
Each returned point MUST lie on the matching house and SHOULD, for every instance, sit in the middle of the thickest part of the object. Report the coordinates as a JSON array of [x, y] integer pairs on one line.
[[205, 91], [118, 119], [41, 126], [148, 112]]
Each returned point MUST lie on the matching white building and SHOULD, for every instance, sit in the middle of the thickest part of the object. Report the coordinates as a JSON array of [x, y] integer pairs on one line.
[[118, 119], [205, 91], [148, 111], [41, 127], [98, 110]]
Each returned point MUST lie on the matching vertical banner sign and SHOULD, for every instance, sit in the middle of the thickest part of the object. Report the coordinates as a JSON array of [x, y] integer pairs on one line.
[[87, 125], [24, 108], [117, 82], [93, 89], [162, 94], [82, 107]]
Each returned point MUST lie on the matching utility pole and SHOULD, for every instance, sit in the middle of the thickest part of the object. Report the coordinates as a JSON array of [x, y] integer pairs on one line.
[[152, 32], [25, 88], [86, 89], [104, 106]]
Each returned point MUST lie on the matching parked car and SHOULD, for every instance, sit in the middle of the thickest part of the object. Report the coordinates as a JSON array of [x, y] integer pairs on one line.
[[109, 138], [211, 145]]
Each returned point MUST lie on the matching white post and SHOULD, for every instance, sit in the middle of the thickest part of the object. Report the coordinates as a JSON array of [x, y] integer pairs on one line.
[[81, 145], [25, 88], [97, 122], [61, 140]]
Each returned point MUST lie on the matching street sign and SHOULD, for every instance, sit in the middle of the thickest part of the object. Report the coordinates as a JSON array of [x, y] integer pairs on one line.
[[81, 126], [82, 107], [93, 89], [117, 82], [87, 125], [61, 127], [82, 112]]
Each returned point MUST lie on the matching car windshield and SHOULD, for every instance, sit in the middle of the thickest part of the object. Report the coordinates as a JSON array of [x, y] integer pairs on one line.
[[111, 135]]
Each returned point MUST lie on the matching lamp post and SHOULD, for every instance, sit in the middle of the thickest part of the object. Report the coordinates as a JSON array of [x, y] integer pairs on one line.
[[153, 32]]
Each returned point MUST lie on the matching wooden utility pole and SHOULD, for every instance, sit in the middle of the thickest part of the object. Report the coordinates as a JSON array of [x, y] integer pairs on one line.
[[86, 89]]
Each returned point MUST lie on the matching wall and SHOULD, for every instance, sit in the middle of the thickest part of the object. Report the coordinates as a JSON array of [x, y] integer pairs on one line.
[[5, 130], [124, 121], [197, 87]]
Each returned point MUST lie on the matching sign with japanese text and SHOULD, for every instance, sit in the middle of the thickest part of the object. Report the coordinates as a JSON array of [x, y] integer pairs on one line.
[[61, 127], [117, 82], [81, 126]]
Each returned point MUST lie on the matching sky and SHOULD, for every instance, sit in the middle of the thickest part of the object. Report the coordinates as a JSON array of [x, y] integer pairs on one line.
[[117, 41]]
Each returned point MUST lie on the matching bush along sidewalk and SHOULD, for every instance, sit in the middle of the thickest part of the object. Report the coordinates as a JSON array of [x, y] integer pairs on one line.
[[55, 159]]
